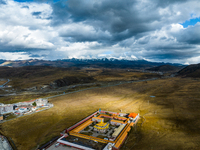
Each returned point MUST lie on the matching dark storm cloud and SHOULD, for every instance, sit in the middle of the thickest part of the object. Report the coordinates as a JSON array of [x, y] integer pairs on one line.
[[120, 18], [81, 36], [166, 3], [171, 54], [60, 13], [191, 35], [18, 49], [36, 13], [144, 41], [34, 55], [177, 47]]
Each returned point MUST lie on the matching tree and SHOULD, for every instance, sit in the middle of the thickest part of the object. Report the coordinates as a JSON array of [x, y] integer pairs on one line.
[[34, 104]]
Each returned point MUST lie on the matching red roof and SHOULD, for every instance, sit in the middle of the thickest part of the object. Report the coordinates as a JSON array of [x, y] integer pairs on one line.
[[133, 115]]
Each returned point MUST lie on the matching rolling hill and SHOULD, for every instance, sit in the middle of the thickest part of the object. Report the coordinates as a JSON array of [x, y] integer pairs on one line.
[[190, 71], [165, 68]]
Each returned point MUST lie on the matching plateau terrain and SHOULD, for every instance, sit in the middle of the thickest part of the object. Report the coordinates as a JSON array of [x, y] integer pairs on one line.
[[168, 106]]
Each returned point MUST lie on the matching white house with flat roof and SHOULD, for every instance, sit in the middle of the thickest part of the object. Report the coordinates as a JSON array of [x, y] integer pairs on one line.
[[41, 102], [5, 109]]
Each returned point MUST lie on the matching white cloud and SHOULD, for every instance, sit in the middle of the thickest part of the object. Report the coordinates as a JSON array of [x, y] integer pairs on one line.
[[22, 37], [19, 29], [176, 27], [14, 14], [144, 29], [14, 56]]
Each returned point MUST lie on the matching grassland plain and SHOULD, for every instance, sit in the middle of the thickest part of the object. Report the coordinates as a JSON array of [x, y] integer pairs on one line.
[[170, 120], [36, 77]]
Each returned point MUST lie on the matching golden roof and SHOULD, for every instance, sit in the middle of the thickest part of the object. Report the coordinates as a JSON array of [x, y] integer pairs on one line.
[[101, 125]]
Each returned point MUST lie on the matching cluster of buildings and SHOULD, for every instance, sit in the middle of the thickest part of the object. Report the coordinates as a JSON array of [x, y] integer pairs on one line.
[[114, 131], [22, 108]]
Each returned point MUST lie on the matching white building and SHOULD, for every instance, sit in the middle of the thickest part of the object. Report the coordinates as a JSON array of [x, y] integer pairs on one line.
[[33, 108], [23, 109], [109, 146], [5, 109], [97, 119], [41, 102], [116, 122], [118, 130]]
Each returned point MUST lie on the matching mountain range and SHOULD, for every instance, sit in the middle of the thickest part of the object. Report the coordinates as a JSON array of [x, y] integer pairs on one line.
[[105, 63]]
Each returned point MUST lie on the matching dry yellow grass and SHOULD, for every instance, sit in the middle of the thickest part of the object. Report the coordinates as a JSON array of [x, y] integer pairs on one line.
[[168, 121], [2, 82]]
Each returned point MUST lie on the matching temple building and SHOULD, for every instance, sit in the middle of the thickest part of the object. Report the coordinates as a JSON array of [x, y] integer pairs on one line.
[[101, 127]]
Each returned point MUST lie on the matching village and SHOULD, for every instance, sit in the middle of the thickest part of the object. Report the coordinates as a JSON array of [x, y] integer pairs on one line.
[[10, 111]]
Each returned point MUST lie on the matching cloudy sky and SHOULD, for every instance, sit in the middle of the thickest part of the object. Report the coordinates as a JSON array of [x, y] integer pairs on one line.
[[154, 30]]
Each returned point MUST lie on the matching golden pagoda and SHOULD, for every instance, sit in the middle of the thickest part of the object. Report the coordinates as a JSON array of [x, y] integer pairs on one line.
[[101, 126]]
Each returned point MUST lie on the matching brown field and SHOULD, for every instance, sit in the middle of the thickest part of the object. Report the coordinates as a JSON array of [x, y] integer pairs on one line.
[[99, 74], [170, 120], [44, 76], [2, 82]]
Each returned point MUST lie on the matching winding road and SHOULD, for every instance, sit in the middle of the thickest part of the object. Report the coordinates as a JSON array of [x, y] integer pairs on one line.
[[1, 86]]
